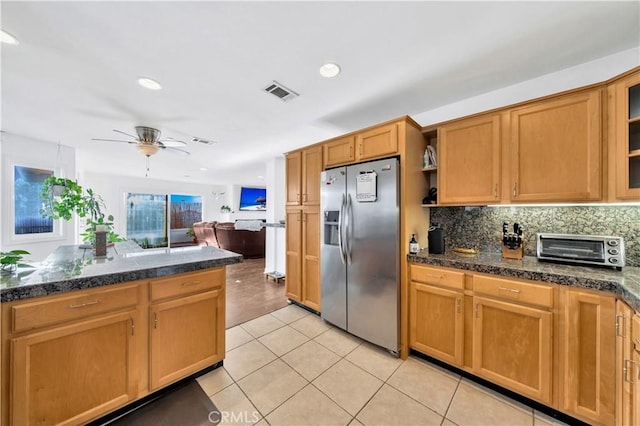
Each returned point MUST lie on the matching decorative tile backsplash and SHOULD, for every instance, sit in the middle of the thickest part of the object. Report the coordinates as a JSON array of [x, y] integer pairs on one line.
[[481, 227]]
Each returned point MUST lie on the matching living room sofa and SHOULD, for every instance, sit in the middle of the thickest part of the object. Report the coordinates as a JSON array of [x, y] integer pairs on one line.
[[250, 244]]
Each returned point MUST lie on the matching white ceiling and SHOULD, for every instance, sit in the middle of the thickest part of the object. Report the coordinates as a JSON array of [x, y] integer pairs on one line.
[[73, 75]]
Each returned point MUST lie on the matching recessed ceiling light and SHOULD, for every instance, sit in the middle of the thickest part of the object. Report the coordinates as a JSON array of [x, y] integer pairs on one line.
[[149, 83], [260, 177], [329, 70], [204, 169], [7, 38]]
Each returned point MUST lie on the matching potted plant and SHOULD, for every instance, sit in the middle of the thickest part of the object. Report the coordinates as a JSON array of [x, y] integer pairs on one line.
[[10, 260], [225, 209], [76, 200], [191, 233]]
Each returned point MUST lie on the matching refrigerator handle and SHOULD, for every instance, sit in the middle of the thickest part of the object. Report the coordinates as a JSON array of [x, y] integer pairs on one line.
[[340, 222], [349, 230]]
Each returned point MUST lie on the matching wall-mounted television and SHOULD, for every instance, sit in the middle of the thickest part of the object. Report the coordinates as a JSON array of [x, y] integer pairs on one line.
[[253, 199]]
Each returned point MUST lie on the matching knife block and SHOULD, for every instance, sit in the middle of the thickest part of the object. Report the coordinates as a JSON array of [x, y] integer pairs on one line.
[[513, 253]]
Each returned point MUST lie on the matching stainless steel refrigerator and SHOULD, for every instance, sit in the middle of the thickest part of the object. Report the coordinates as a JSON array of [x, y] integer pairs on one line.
[[360, 250]]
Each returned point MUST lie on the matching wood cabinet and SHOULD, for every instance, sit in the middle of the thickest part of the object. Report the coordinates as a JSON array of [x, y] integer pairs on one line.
[[469, 161], [339, 151], [555, 149], [72, 357], [627, 365], [625, 120], [436, 311], [303, 256], [587, 356], [512, 346], [186, 325], [376, 142], [303, 169]]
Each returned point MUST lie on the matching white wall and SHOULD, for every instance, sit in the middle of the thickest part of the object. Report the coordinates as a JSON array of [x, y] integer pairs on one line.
[[113, 190], [592, 72], [234, 203], [275, 253], [21, 151]]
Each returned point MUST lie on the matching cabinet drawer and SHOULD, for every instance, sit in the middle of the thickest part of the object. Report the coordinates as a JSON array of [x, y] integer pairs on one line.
[[437, 276], [78, 305], [192, 282], [533, 294]]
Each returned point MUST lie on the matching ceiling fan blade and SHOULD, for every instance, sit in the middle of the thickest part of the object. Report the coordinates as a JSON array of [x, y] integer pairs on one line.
[[124, 133], [175, 150], [112, 140], [172, 142]]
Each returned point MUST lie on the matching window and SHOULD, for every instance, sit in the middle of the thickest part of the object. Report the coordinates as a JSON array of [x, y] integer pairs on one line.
[[27, 202], [147, 219], [185, 211]]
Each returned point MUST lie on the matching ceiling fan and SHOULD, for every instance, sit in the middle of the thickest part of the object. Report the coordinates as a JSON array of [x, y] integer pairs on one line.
[[148, 142]]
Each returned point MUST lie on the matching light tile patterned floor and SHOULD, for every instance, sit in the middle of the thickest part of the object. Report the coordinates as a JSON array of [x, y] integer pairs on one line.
[[291, 368]]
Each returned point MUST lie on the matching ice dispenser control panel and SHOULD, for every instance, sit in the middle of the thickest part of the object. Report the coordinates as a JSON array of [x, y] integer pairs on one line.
[[331, 220]]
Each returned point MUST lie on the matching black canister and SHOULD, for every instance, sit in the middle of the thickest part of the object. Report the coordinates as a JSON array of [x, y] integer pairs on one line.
[[436, 239]]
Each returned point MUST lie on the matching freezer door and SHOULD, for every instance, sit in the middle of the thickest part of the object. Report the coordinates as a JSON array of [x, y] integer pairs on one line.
[[333, 271], [373, 252]]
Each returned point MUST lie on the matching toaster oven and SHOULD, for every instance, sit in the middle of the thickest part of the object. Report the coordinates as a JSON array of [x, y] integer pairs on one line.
[[595, 250]]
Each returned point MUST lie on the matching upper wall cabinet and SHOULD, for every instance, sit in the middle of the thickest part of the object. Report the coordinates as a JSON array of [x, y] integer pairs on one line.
[[555, 149], [469, 161], [625, 119], [303, 177], [378, 142], [339, 151]]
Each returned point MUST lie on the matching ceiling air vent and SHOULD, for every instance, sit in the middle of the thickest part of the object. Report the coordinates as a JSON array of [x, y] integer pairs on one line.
[[202, 141], [277, 89]]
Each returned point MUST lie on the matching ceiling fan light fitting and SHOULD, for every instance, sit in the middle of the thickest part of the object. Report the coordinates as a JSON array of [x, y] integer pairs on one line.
[[148, 149], [7, 38]]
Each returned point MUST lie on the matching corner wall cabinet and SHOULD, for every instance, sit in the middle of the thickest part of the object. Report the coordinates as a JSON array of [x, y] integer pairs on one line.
[[551, 343], [73, 357], [625, 118]]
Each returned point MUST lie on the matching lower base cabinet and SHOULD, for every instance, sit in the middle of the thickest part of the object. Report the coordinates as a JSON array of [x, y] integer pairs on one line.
[[512, 346], [69, 375], [184, 337], [551, 343]]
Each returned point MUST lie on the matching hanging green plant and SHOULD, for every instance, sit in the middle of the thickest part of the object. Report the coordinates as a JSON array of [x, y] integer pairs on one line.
[[76, 200]]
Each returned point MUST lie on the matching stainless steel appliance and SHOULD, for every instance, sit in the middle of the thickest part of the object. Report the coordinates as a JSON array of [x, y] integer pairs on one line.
[[583, 249], [360, 250]]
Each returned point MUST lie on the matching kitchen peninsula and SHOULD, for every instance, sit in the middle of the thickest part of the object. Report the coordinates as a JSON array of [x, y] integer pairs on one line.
[[83, 336]]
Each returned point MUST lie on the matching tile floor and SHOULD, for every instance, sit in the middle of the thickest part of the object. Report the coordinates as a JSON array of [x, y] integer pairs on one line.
[[291, 368]]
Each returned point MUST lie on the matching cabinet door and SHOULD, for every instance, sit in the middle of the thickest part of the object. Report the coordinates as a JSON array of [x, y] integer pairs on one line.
[[626, 369], [436, 324], [588, 356], [469, 161], [339, 151], [187, 335], [311, 258], [293, 178], [512, 347], [627, 137], [293, 281], [377, 142], [74, 373], [311, 168], [556, 149]]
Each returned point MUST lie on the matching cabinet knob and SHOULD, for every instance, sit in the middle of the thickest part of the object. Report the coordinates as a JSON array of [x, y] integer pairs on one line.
[[515, 189]]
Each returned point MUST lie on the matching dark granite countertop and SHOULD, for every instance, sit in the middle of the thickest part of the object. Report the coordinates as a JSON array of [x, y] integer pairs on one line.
[[73, 268], [625, 284]]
